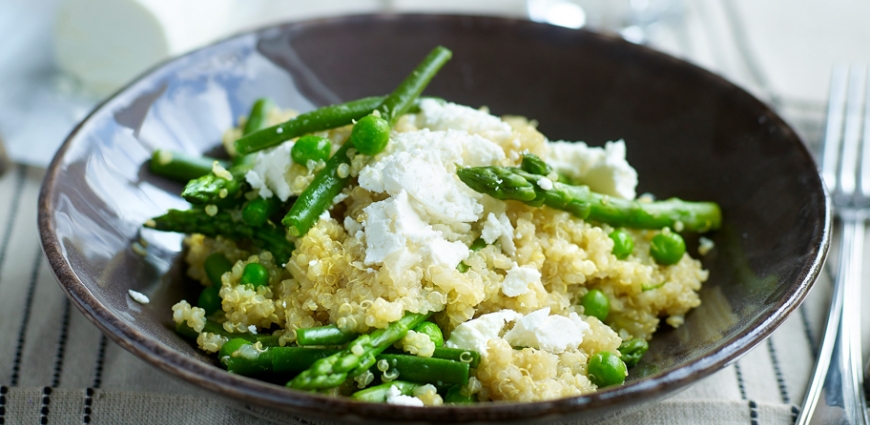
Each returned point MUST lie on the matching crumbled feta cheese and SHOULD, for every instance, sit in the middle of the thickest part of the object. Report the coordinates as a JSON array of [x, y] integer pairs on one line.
[[267, 175], [499, 227], [438, 115], [395, 396], [518, 279], [554, 334], [139, 297], [252, 329], [423, 163], [352, 227], [474, 334], [605, 170], [705, 245], [393, 228], [339, 198], [545, 183]]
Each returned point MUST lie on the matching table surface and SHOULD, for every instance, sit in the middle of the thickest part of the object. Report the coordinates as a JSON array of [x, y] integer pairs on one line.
[[56, 367]]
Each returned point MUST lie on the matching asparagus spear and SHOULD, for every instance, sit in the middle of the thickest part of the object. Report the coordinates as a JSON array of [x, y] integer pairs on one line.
[[323, 335], [216, 328], [325, 118], [180, 166], [378, 393], [328, 183], [507, 183], [213, 189], [358, 357], [268, 236]]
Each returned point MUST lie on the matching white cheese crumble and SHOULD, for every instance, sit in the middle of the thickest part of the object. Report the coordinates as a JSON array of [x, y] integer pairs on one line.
[[438, 115], [139, 297], [394, 229], [474, 334], [705, 245], [518, 279], [423, 163], [545, 183], [605, 170], [539, 329], [268, 174], [499, 227], [554, 334], [395, 396], [252, 329]]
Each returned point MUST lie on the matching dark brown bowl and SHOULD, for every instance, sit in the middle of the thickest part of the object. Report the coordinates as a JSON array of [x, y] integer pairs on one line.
[[689, 134]]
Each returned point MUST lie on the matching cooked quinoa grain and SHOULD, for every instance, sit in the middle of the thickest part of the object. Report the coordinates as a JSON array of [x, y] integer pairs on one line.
[[347, 270]]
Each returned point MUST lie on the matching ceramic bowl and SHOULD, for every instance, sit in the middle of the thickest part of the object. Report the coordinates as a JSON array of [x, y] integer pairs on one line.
[[689, 133]]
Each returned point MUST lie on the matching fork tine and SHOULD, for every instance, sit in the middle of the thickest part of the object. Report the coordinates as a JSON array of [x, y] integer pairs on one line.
[[852, 131], [834, 129]]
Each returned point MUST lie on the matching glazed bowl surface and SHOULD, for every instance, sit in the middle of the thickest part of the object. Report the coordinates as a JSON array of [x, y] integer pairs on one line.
[[689, 133]]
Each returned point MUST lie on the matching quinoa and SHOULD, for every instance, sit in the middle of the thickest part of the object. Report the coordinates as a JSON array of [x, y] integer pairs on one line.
[[328, 281]]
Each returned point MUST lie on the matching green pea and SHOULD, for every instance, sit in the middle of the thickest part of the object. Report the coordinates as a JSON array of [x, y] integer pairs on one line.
[[596, 304], [632, 350], [370, 135], [255, 274], [210, 300], [258, 210], [310, 147], [667, 248], [606, 369], [477, 245], [623, 244], [433, 331], [215, 266], [462, 267]]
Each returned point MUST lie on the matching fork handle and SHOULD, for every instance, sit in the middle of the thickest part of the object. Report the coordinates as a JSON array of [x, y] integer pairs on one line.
[[836, 393]]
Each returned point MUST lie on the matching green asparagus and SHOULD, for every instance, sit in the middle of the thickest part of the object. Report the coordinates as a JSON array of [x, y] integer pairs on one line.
[[225, 189], [632, 350], [216, 328], [378, 393], [508, 183], [268, 237], [357, 358], [328, 183], [321, 119], [404, 96], [180, 166], [323, 335], [318, 196], [427, 369]]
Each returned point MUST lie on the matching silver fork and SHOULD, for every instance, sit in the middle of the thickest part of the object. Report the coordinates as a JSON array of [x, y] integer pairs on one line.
[[836, 392]]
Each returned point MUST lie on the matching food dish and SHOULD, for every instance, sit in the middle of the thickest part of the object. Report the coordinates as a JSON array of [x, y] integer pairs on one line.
[[330, 237], [710, 128]]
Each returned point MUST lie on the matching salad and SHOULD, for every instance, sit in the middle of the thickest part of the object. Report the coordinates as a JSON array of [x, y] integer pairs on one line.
[[410, 250]]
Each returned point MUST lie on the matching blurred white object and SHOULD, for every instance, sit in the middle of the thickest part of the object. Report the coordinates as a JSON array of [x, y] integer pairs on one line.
[[629, 18], [106, 43]]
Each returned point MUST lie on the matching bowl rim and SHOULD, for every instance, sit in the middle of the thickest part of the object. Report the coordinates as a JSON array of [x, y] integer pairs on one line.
[[260, 393]]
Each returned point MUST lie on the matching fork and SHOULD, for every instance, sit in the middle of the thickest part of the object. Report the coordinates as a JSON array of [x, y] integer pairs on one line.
[[836, 392]]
